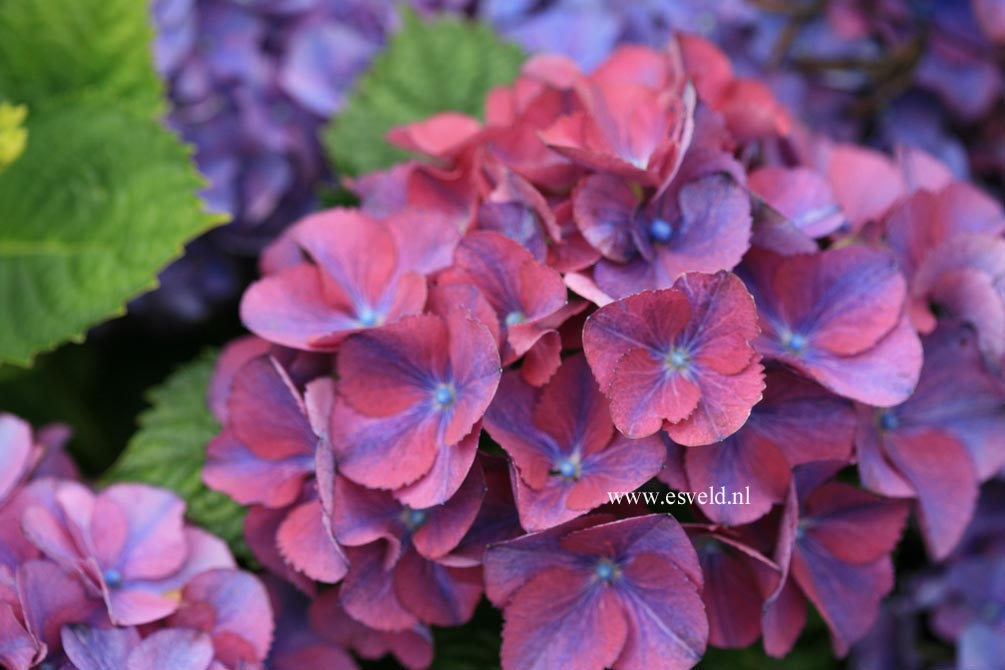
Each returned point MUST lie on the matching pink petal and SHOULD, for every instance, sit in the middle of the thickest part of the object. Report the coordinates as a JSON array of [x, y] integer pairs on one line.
[[266, 412], [178, 649], [15, 452], [563, 619], [437, 594], [306, 546], [156, 544], [725, 406], [368, 593], [235, 470], [99, 648], [644, 393]]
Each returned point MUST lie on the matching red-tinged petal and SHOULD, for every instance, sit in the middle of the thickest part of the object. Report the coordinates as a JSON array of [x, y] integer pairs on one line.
[[865, 182], [649, 534], [361, 516], [156, 544], [725, 406], [853, 525], [439, 136], [638, 64], [476, 369], [389, 370], [731, 596], [624, 465], [425, 243], [235, 470], [232, 358], [563, 619], [15, 452], [846, 595], [446, 524], [510, 422], [260, 526], [511, 564], [604, 208], [782, 620], [452, 465], [751, 110], [745, 464], [178, 649], [649, 320], [129, 607], [572, 410], [437, 595], [445, 297], [801, 195], [876, 471], [108, 533], [387, 452], [883, 376], [939, 468], [644, 393], [240, 609], [99, 648], [266, 412], [368, 593], [723, 321], [844, 300], [290, 308], [667, 624], [543, 359], [335, 239], [305, 545], [803, 419], [544, 507]]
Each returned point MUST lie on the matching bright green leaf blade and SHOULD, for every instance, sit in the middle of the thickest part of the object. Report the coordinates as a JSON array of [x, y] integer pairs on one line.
[[100, 200], [51, 50], [169, 450], [428, 67]]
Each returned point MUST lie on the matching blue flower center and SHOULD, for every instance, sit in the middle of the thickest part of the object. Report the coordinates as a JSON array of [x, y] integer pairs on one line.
[[367, 317], [795, 343], [112, 577], [677, 359], [515, 317], [605, 570], [888, 421], [660, 230], [568, 467], [444, 395], [414, 518]]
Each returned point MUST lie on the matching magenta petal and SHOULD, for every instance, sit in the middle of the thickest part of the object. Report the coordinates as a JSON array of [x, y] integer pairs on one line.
[[437, 594], [361, 516], [732, 598], [266, 412], [604, 208], [368, 593], [304, 544], [15, 452], [667, 625], [240, 609], [260, 526], [624, 465], [801, 195], [846, 595], [249, 479], [883, 376], [156, 544], [510, 421], [387, 452], [99, 648], [725, 406], [475, 363], [290, 308], [544, 507], [744, 464], [452, 465], [51, 599], [17, 648], [563, 619], [939, 468], [447, 523], [178, 649], [644, 393], [133, 607]]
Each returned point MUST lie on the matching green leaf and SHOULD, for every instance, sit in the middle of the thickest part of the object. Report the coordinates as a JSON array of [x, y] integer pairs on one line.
[[52, 50], [169, 450], [428, 67], [102, 196]]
